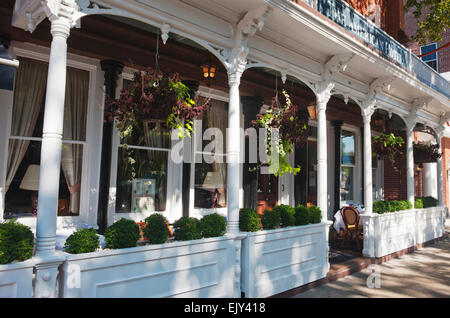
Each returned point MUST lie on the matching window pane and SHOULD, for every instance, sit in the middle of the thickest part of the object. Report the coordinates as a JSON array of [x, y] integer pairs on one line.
[[149, 133], [23, 179], [347, 184], [312, 169], [433, 64], [210, 185], [146, 191], [76, 104], [374, 185], [426, 49], [215, 117], [29, 95], [348, 148]]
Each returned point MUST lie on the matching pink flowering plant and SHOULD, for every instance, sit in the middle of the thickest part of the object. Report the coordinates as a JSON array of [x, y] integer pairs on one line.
[[152, 95]]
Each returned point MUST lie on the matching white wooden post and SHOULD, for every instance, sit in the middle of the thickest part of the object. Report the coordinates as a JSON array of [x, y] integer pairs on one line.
[[322, 154], [233, 152], [410, 163], [439, 176], [236, 61], [47, 260], [367, 111]]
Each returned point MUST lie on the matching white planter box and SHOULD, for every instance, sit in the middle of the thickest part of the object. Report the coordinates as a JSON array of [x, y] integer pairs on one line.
[[16, 280], [274, 261], [430, 224], [200, 268], [388, 233]]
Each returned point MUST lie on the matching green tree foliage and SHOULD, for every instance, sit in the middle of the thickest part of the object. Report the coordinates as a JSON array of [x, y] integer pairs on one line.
[[433, 18]]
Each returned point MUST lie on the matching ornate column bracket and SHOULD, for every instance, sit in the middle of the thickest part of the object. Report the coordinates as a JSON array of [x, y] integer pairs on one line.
[[417, 104], [323, 88], [378, 85], [235, 60], [30, 13]]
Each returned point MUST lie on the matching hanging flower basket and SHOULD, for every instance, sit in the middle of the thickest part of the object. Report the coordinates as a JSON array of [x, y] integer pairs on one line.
[[156, 96], [387, 146], [292, 130], [425, 152]]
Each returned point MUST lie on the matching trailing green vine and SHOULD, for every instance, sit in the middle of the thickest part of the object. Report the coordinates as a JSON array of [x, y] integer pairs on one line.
[[291, 128]]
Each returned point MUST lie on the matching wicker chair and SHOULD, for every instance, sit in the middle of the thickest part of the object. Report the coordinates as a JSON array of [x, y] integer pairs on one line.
[[352, 232]]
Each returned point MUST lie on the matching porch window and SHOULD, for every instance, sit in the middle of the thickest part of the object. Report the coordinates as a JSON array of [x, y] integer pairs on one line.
[[210, 175], [431, 59], [142, 169], [348, 164], [24, 147]]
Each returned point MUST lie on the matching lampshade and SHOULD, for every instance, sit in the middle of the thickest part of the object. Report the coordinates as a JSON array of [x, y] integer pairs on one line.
[[30, 180], [212, 181]]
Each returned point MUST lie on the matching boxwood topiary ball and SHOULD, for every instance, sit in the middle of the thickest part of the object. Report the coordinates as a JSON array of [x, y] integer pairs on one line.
[[287, 215], [82, 241], [186, 228], [212, 225], [16, 242], [122, 234], [248, 220], [156, 230], [315, 214], [301, 215], [271, 219]]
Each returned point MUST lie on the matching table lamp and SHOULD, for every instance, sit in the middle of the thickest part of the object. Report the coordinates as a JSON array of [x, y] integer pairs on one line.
[[212, 182], [30, 181]]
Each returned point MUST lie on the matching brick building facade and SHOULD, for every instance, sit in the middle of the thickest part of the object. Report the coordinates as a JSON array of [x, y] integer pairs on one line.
[[402, 25]]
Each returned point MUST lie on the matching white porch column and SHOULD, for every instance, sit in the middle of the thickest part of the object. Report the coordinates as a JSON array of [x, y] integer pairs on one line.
[[410, 162], [236, 61], [439, 176], [51, 139], [367, 111], [47, 260], [233, 153], [429, 182], [322, 153]]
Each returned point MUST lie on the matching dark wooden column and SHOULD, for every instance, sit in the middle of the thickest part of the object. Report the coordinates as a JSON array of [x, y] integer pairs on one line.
[[251, 107], [112, 71], [7, 73], [337, 124]]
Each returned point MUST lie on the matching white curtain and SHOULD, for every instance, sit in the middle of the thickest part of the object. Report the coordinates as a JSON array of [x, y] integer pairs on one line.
[[29, 91], [75, 112]]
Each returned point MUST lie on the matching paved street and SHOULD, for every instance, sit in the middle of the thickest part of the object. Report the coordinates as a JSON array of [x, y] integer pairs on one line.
[[424, 273]]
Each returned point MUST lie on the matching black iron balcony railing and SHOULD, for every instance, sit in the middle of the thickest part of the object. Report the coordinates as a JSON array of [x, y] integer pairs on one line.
[[344, 15]]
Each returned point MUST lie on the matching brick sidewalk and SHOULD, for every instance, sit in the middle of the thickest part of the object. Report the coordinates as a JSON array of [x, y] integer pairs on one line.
[[423, 273]]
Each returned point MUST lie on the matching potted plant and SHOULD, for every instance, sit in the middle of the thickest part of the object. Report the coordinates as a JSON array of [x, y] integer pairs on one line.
[[425, 152], [153, 97], [387, 145], [292, 130]]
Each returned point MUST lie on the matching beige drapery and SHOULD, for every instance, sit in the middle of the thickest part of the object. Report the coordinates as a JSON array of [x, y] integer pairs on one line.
[[217, 117], [157, 136], [75, 112], [29, 91]]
